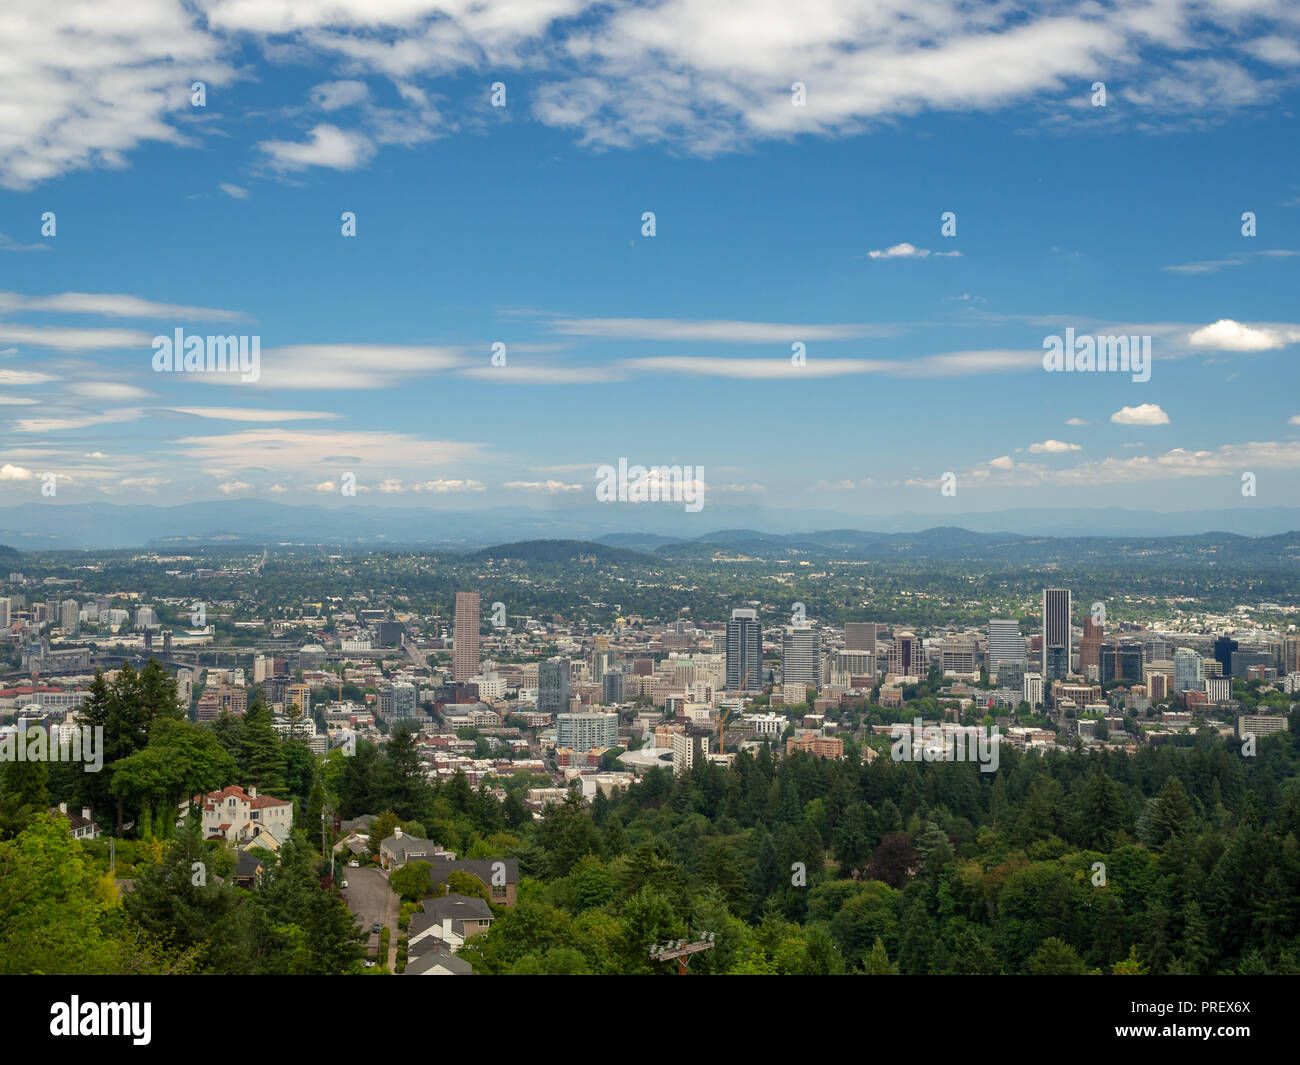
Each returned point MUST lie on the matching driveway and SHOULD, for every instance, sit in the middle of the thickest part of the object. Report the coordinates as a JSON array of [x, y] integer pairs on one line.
[[368, 897]]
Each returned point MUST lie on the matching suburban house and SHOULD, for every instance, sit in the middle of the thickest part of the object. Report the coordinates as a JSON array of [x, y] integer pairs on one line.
[[399, 848], [248, 870], [82, 825], [430, 957], [451, 920], [236, 815], [499, 875]]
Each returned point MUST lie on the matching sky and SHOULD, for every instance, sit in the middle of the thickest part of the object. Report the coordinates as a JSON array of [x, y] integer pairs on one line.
[[807, 327]]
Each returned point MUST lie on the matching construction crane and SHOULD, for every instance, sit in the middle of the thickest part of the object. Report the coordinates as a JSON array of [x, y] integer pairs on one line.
[[681, 950]]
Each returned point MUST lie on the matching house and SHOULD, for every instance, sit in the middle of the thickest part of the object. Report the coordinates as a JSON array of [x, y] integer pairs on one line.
[[265, 840], [236, 815], [81, 825], [499, 875], [430, 957], [248, 871], [399, 848], [450, 920]]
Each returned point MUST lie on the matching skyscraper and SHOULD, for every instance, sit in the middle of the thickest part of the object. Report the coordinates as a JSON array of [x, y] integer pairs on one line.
[[1189, 672], [1056, 634], [744, 651], [552, 685], [907, 658], [801, 657], [1223, 648], [1120, 662], [465, 640], [1005, 645], [860, 636], [1090, 646]]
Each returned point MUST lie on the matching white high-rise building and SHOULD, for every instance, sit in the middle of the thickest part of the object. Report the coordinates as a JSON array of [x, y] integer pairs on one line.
[[1032, 692], [1005, 645], [801, 657]]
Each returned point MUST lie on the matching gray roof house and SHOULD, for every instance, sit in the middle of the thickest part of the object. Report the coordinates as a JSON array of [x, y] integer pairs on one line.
[[449, 920]]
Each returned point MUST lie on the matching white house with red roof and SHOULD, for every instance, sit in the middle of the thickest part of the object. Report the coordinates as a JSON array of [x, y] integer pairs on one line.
[[237, 815]]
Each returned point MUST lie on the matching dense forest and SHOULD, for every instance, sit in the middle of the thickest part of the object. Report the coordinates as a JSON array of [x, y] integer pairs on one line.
[[1178, 859]]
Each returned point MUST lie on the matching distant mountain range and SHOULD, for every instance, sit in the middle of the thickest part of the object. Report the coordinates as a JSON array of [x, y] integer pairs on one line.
[[662, 529]]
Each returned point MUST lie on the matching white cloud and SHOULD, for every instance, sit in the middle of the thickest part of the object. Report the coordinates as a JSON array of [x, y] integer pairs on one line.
[[511, 374], [112, 305], [910, 251], [1143, 414], [233, 487], [1227, 335], [85, 83], [235, 192], [333, 95], [341, 366], [9, 472], [721, 332], [1075, 421], [1004, 462], [108, 391], [326, 146], [550, 487], [246, 414], [1052, 447], [17, 401], [79, 421]]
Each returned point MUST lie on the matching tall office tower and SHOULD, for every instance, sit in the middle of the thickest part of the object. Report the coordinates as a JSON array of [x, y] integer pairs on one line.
[[1157, 686], [1005, 645], [465, 641], [744, 651], [1056, 634], [907, 658], [1090, 646], [1189, 674], [553, 686], [1223, 648], [801, 649], [1032, 689], [69, 615], [957, 656], [1291, 654], [613, 687], [1158, 649], [860, 636], [602, 660], [1120, 662], [4, 612], [146, 618]]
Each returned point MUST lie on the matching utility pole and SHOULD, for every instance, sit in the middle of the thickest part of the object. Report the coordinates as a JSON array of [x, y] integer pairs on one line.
[[681, 951]]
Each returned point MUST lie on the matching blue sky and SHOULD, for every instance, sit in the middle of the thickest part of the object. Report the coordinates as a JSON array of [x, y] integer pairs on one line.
[[522, 225]]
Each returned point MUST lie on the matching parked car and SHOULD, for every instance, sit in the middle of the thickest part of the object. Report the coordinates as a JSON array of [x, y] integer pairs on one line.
[[343, 884], [370, 963], [354, 864], [375, 928]]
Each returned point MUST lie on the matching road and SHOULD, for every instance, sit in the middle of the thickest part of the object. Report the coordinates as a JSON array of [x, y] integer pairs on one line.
[[368, 897]]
